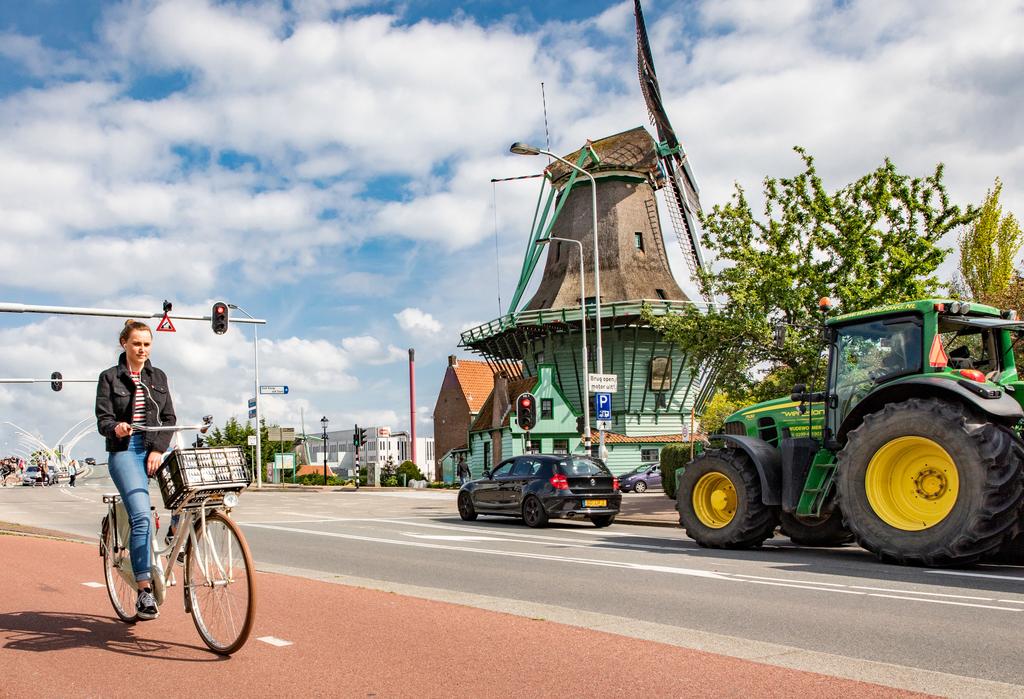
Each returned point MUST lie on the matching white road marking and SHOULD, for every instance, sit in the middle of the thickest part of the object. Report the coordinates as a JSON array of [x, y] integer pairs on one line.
[[946, 601], [509, 554], [272, 640], [965, 574], [93, 584], [446, 537], [582, 543], [675, 570]]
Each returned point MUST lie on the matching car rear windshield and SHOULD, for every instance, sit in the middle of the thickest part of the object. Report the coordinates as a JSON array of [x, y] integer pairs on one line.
[[581, 466]]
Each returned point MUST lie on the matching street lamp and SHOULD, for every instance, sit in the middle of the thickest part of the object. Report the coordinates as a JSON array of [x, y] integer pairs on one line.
[[526, 149], [583, 321], [323, 423], [256, 394]]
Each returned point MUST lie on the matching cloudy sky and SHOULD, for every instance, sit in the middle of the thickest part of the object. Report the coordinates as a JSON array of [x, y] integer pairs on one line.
[[326, 164]]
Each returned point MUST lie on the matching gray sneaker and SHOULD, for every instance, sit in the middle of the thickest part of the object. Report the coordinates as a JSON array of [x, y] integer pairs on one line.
[[145, 607]]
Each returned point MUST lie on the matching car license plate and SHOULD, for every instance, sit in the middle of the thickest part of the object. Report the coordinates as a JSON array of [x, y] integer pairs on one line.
[[595, 503]]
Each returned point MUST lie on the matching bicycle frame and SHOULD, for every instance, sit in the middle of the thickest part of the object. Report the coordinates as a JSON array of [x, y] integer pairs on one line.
[[191, 512]]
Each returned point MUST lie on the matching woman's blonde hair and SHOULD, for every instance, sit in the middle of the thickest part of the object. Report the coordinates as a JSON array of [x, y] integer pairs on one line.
[[131, 326]]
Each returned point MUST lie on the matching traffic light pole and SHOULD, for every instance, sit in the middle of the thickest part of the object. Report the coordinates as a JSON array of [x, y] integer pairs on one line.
[[135, 313]]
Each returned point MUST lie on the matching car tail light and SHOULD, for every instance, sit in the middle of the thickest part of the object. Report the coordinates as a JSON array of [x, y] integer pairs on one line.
[[615, 483], [559, 482], [973, 375]]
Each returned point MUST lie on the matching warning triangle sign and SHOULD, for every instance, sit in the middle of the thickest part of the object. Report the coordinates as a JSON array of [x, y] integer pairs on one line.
[[165, 325]]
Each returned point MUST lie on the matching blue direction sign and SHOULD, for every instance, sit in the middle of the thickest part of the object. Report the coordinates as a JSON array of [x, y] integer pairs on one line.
[[274, 390], [603, 406], [252, 408]]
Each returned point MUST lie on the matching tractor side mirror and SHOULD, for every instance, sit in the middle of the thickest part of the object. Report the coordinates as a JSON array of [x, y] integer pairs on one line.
[[799, 393], [780, 335]]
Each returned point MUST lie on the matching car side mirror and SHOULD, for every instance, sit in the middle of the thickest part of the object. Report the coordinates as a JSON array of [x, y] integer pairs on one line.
[[780, 335], [799, 393], [486, 473]]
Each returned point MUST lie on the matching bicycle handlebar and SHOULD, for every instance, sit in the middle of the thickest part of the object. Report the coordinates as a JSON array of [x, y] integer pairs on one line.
[[207, 423]]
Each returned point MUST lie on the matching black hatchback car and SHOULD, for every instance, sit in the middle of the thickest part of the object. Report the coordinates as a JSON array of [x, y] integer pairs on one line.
[[538, 487]]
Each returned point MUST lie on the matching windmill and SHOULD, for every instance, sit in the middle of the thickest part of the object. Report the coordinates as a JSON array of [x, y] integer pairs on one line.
[[681, 192]]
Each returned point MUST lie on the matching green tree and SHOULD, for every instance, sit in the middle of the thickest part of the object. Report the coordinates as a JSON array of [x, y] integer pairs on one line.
[[237, 434], [410, 470], [988, 253], [874, 241]]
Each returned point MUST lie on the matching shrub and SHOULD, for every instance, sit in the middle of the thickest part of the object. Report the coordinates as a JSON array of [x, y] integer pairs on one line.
[[389, 482], [317, 479], [673, 458], [411, 472]]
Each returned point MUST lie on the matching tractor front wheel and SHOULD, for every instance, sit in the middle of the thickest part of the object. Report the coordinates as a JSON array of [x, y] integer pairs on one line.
[[719, 501], [928, 482]]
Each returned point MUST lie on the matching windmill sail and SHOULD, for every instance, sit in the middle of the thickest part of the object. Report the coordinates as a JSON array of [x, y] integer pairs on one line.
[[681, 193]]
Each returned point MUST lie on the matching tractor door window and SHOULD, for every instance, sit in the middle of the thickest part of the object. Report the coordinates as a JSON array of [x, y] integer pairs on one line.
[[970, 348], [868, 354]]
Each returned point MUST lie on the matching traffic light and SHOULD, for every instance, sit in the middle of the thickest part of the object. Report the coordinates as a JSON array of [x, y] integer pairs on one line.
[[220, 318], [55, 381], [581, 425], [526, 411], [362, 436], [355, 436]]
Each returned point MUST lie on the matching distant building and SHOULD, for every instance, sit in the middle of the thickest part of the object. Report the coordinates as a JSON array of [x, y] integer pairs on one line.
[[381, 445]]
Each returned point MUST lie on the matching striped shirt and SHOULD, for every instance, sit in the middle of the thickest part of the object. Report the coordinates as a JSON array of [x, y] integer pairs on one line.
[[139, 405]]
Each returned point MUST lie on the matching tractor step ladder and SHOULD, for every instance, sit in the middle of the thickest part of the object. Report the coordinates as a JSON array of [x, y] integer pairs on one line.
[[818, 484]]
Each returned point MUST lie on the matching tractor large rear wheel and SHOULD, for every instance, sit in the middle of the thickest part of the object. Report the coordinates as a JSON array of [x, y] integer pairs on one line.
[[719, 501], [928, 482]]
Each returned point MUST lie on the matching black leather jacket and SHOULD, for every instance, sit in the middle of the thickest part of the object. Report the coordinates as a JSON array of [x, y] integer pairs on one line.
[[115, 393]]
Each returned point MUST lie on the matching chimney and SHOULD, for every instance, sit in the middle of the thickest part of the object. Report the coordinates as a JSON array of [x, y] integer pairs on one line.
[[453, 361], [499, 403], [412, 402]]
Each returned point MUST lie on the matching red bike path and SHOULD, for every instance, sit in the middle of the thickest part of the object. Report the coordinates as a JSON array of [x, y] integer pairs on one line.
[[60, 637]]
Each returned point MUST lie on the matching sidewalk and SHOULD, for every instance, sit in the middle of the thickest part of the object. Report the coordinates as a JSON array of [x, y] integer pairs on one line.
[[59, 637]]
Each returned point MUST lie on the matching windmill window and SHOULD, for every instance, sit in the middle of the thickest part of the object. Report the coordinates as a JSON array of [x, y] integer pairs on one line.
[[558, 251], [661, 374], [638, 239], [661, 294]]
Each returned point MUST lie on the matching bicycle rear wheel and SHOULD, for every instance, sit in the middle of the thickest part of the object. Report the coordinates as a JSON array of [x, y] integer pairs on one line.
[[120, 580], [219, 584]]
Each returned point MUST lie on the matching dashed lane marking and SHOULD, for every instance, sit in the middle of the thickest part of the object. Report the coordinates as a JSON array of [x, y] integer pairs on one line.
[[965, 574], [93, 584], [274, 641]]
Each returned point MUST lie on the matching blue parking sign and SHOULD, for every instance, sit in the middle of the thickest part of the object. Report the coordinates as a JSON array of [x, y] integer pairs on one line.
[[603, 406]]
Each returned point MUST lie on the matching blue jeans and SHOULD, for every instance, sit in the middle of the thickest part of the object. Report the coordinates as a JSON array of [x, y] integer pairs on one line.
[[128, 471]]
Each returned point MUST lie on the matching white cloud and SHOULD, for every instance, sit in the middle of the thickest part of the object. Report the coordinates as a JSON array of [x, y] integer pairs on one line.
[[415, 321], [370, 350]]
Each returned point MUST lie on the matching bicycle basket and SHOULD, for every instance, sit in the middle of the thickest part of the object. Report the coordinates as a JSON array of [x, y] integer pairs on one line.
[[210, 469]]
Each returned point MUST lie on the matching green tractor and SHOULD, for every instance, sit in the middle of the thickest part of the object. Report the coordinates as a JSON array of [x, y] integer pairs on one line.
[[913, 448]]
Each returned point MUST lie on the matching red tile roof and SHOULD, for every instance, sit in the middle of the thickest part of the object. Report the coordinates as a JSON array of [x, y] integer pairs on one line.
[[476, 381], [515, 387], [615, 438]]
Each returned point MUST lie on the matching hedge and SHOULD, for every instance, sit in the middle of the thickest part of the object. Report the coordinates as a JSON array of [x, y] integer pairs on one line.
[[673, 458]]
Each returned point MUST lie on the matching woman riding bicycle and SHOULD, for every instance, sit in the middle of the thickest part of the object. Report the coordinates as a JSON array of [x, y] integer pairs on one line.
[[135, 391]]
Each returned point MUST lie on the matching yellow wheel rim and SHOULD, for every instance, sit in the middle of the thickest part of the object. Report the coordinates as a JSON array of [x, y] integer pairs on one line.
[[912, 483], [714, 500]]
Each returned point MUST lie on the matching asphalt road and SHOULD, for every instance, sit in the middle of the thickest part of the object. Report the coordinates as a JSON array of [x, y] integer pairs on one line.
[[644, 581]]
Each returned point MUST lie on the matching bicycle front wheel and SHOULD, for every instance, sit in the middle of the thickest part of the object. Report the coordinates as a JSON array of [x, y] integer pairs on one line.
[[220, 584], [117, 573]]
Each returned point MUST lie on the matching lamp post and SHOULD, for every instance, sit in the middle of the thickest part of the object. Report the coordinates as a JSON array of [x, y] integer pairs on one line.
[[256, 394], [323, 423], [525, 149], [583, 330]]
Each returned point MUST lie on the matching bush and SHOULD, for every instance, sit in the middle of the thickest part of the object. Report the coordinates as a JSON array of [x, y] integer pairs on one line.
[[411, 472], [317, 479], [389, 482], [673, 458]]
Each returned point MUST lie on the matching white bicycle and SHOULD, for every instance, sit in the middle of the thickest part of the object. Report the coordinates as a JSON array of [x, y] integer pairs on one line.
[[200, 488]]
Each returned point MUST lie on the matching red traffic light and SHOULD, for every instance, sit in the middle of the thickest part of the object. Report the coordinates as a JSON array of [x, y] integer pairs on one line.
[[525, 402]]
